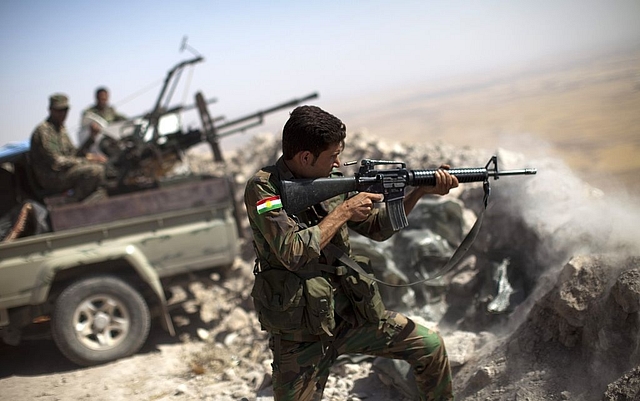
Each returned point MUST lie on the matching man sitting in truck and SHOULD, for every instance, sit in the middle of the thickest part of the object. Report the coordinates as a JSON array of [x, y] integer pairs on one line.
[[95, 119], [58, 166]]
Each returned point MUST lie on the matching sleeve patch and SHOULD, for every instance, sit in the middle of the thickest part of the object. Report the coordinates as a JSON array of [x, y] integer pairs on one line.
[[267, 204]]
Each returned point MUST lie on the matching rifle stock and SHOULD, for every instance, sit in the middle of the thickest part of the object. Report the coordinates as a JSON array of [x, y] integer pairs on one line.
[[298, 195]]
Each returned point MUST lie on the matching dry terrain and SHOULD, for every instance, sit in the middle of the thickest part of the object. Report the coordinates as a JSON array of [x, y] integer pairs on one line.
[[585, 113]]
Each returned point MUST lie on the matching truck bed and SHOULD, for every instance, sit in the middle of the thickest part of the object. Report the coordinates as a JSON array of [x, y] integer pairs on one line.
[[177, 196]]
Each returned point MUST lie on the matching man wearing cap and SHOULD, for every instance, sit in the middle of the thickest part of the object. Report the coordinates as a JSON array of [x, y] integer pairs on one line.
[[57, 164]]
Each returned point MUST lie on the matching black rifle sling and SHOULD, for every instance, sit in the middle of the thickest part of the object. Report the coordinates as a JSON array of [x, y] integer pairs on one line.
[[451, 263]]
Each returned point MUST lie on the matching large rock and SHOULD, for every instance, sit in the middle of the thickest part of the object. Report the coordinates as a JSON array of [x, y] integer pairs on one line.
[[581, 335]]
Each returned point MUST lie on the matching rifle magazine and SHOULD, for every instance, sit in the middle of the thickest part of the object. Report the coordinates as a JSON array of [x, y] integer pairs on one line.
[[398, 217]]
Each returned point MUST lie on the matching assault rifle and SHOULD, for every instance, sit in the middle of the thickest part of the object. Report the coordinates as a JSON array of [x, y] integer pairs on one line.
[[297, 195]]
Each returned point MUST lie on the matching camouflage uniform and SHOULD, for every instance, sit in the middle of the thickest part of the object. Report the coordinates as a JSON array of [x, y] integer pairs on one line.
[[59, 166], [108, 113], [105, 144], [302, 360]]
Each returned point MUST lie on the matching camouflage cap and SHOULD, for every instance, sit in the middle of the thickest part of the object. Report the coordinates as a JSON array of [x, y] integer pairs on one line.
[[58, 101]]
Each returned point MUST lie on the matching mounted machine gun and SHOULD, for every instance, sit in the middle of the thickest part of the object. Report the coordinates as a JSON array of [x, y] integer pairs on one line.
[[158, 141]]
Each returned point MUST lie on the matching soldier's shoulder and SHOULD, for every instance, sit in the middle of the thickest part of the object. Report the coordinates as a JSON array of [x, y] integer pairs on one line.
[[90, 109], [43, 127], [261, 182], [262, 176]]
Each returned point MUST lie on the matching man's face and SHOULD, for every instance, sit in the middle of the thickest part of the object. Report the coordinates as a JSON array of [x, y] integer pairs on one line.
[[322, 165], [102, 99], [58, 115]]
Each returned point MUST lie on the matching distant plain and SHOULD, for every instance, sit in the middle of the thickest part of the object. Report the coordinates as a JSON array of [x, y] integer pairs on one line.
[[586, 112]]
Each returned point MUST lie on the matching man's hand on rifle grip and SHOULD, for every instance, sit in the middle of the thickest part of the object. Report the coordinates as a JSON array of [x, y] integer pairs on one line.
[[360, 205]]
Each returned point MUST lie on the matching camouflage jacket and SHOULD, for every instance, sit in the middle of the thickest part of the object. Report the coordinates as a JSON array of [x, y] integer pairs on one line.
[[291, 241], [108, 113], [52, 152]]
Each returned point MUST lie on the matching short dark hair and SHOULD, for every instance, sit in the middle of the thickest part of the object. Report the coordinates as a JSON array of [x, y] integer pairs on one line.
[[310, 128], [101, 89]]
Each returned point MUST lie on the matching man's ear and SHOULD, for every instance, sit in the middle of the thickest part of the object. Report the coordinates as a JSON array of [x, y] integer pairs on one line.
[[305, 158], [299, 162]]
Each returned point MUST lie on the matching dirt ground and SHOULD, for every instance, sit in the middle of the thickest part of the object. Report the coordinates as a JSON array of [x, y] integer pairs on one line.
[[188, 366]]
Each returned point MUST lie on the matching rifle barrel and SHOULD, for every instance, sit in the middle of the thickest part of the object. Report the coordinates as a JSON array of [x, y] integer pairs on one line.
[[522, 171]]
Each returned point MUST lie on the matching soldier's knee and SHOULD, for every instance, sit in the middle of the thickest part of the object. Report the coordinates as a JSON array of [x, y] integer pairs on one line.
[[432, 340]]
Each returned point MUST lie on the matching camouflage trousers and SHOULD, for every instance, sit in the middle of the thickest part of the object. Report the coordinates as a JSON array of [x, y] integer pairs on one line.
[[84, 179], [302, 368]]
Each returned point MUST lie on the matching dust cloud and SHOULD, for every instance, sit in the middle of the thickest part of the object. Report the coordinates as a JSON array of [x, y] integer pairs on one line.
[[566, 210]]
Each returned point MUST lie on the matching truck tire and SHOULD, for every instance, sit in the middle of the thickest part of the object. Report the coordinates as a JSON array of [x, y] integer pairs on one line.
[[99, 319]]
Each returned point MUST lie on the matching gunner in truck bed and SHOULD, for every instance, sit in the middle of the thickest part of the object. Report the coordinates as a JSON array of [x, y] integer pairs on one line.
[[58, 166]]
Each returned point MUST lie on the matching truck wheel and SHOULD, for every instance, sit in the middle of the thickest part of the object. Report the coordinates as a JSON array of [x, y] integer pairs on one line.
[[99, 319]]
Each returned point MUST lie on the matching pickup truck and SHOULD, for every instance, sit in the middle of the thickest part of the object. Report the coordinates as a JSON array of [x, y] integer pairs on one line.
[[99, 274]]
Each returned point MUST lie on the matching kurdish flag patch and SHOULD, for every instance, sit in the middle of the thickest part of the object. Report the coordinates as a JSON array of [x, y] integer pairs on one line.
[[267, 204]]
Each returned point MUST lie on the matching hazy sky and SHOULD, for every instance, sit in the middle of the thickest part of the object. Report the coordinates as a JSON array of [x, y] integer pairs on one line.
[[261, 53]]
